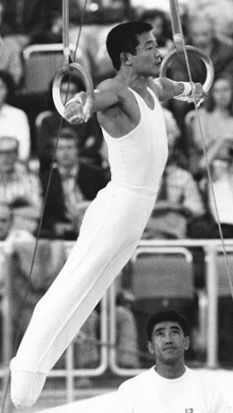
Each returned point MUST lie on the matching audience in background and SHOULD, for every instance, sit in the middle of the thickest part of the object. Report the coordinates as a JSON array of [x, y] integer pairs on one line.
[[87, 348], [73, 184], [13, 121], [127, 352], [52, 33], [101, 16], [48, 261], [179, 199], [201, 34], [37, 14], [161, 28], [13, 239], [19, 188], [218, 195], [216, 117], [7, 231], [220, 12], [10, 51], [48, 125]]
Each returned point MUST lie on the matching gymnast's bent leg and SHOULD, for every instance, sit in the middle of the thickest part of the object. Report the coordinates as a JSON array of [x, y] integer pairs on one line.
[[98, 256]]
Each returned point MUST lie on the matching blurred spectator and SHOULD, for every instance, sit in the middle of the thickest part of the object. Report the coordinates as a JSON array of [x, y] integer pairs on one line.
[[202, 35], [52, 34], [10, 51], [19, 188], [87, 349], [49, 259], [14, 237], [161, 29], [222, 200], [216, 118], [220, 12], [72, 185], [7, 231], [179, 199], [37, 14], [48, 125], [100, 17], [101, 11], [13, 121], [127, 353]]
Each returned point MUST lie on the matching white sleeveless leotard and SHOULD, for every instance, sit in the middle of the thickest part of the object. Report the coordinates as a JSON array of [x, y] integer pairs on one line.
[[111, 229]]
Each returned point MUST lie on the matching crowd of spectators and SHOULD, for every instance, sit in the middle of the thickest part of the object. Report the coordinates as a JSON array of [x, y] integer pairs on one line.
[[47, 164], [41, 133]]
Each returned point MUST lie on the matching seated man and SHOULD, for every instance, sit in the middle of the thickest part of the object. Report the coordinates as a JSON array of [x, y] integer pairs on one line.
[[10, 50], [169, 384], [74, 183], [15, 237], [179, 198], [220, 210], [19, 188]]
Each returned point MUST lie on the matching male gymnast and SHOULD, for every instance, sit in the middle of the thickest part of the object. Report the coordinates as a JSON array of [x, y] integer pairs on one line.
[[130, 115]]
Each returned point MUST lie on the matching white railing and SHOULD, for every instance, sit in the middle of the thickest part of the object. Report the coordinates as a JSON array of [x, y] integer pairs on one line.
[[208, 316]]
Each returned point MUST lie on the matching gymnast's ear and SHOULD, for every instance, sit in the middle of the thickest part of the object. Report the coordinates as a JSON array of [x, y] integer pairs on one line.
[[150, 347], [126, 58]]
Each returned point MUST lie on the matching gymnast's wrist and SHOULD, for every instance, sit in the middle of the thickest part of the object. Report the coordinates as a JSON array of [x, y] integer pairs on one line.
[[78, 98], [188, 87]]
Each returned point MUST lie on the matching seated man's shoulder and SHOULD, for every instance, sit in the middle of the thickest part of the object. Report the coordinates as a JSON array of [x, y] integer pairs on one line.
[[18, 236], [179, 173]]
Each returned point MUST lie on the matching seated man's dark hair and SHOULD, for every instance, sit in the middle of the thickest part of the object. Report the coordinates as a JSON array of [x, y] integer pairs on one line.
[[166, 316], [123, 38]]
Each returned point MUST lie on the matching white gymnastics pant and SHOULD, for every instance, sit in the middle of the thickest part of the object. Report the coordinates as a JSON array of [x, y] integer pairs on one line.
[[111, 230]]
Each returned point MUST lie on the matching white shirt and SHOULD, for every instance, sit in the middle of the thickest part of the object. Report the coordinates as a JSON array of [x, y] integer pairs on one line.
[[151, 393], [14, 123]]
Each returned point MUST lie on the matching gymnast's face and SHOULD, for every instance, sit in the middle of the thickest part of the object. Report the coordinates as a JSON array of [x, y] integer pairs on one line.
[[147, 60], [168, 343]]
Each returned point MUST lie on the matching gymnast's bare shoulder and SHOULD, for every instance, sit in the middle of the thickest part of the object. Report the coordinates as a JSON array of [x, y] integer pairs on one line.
[[123, 114], [109, 96]]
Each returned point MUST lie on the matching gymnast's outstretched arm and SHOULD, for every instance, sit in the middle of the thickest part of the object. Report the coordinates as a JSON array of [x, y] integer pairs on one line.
[[167, 88], [109, 93]]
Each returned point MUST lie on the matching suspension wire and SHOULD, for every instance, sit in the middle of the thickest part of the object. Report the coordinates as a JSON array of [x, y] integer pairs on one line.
[[179, 41], [66, 54]]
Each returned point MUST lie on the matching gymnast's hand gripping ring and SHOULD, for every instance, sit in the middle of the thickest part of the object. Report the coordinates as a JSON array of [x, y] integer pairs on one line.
[[167, 61], [77, 70]]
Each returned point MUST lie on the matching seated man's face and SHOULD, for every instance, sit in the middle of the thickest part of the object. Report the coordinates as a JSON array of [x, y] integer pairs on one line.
[[202, 34], [220, 168], [67, 153], [68, 90], [5, 221]]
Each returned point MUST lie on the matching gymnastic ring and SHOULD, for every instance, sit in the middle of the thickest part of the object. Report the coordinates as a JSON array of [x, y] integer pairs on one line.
[[77, 70], [206, 60]]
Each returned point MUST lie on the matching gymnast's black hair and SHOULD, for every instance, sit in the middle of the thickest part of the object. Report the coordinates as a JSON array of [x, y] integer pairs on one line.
[[123, 38]]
